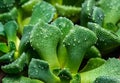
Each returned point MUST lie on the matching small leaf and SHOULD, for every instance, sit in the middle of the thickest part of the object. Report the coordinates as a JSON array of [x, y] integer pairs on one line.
[[10, 15], [43, 11], [92, 64], [25, 40], [86, 11], [97, 15], [7, 58], [16, 66], [65, 76], [4, 48], [2, 29], [107, 41], [28, 6], [39, 69], [111, 10], [93, 52], [67, 11]]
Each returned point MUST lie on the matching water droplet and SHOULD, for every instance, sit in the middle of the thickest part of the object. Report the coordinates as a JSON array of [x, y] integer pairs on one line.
[[78, 41], [105, 44], [61, 33], [39, 66], [36, 71], [33, 48], [74, 44], [74, 39], [63, 45], [42, 68], [68, 43], [37, 34], [26, 37]]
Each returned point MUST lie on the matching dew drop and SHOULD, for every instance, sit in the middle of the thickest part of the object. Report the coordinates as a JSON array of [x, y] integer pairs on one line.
[[74, 44], [78, 41], [68, 43], [74, 39], [63, 45]]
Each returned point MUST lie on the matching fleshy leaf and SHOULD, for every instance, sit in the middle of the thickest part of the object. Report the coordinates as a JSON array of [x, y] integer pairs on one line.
[[64, 25], [28, 6], [86, 11], [48, 37], [65, 76], [19, 79], [92, 64], [4, 48], [71, 12], [16, 66], [25, 40], [77, 42], [111, 10], [2, 29], [11, 28], [7, 58], [43, 11], [39, 69], [107, 79], [93, 52], [107, 41], [109, 68], [7, 16]]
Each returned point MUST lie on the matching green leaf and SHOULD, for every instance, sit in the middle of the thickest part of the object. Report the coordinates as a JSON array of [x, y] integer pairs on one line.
[[4, 48], [107, 79], [16, 66], [43, 11], [7, 16], [28, 6], [111, 10], [65, 76], [67, 11], [2, 29], [107, 41], [97, 15], [76, 79], [64, 25], [25, 40], [86, 11], [93, 63], [53, 2], [39, 69], [93, 52], [11, 28], [6, 5], [19, 79], [44, 39], [109, 68], [8, 57], [77, 42]]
